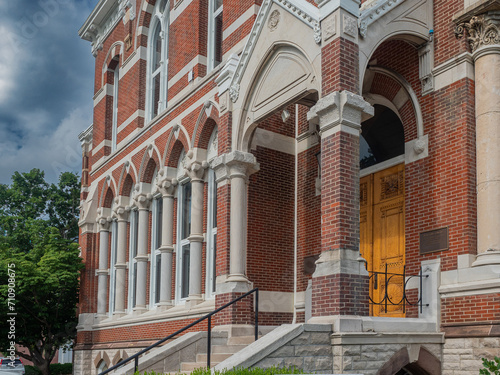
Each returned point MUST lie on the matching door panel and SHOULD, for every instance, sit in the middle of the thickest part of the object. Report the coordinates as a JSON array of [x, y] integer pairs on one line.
[[382, 239]]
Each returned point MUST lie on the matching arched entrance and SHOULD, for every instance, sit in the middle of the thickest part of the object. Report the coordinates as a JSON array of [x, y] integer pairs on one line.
[[382, 210]]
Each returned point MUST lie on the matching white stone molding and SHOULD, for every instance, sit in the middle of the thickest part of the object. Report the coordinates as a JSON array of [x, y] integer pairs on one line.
[[223, 80], [453, 70], [305, 12], [371, 11], [339, 111], [85, 138], [482, 30], [426, 62], [243, 162]]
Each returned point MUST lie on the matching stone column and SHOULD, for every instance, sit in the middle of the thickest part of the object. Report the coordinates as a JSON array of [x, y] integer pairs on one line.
[[143, 201], [167, 189], [122, 214], [484, 37], [103, 272], [195, 170], [340, 281], [237, 166]]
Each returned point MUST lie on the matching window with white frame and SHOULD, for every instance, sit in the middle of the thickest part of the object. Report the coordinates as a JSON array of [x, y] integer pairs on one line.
[[112, 267], [158, 60], [132, 272], [183, 231], [214, 51], [114, 127], [157, 208], [211, 220]]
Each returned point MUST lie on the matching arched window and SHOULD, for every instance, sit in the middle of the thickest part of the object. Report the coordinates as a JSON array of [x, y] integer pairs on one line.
[[211, 218], [114, 128], [112, 266], [158, 60], [214, 50], [157, 213], [183, 231], [102, 366], [382, 138]]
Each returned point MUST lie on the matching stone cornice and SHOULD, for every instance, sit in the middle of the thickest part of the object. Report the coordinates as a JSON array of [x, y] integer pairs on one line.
[[103, 19], [85, 137], [482, 30]]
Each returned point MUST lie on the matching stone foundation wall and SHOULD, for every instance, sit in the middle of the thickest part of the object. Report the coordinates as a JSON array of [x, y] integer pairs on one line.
[[311, 351], [462, 356]]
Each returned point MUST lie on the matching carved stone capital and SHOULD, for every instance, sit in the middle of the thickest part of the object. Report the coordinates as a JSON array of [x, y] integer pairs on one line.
[[142, 201], [103, 223], [481, 30], [234, 164], [122, 212], [339, 111], [166, 186]]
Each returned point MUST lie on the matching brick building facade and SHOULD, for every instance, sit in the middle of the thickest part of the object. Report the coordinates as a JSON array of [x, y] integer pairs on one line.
[[343, 157]]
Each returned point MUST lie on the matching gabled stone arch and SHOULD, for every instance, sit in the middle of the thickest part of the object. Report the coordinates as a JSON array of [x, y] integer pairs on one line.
[[114, 58], [207, 121], [150, 161], [290, 63], [119, 356], [108, 192], [177, 141], [273, 89]]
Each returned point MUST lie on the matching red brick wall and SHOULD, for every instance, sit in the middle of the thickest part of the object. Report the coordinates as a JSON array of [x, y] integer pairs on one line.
[[339, 66], [470, 309]]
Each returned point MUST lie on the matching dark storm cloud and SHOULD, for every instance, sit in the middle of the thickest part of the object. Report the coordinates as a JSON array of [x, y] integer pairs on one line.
[[46, 78]]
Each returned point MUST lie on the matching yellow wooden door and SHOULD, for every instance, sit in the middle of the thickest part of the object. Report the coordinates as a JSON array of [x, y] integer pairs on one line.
[[382, 237]]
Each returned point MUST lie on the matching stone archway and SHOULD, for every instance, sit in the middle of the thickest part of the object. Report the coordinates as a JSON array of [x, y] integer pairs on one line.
[[416, 361]]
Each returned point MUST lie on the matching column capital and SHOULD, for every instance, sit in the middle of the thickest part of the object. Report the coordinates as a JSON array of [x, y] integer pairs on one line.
[[339, 111], [234, 164], [481, 29], [143, 201], [104, 223], [122, 212], [167, 186]]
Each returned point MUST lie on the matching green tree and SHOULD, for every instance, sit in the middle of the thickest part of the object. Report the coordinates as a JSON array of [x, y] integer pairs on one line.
[[38, 233]]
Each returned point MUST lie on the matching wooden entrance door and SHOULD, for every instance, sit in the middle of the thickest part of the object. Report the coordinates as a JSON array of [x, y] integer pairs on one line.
[[382, 236]]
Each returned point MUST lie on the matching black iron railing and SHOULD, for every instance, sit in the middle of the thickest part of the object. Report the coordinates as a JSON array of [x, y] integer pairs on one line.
[[135, 357], [396, 280]]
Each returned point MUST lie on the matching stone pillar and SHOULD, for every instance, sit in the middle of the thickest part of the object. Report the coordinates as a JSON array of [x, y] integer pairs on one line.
[[195, 170], [167, 189], [237, 166], [340, 281], [103, 272], [143, 201], [234, 168], [484, 37], [122, 214]]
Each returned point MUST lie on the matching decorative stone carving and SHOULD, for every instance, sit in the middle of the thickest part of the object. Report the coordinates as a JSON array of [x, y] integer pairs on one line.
[[274, 20], [104, 223], [350, 25], [329, 26], [234, 92], [234, 163], [481, 30], [317, 32], [166, 186], [122, 213]]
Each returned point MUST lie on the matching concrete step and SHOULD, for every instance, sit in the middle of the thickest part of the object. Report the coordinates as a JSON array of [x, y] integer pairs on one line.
[[202, 358], [227, 349], [191, 366], [240, 340]]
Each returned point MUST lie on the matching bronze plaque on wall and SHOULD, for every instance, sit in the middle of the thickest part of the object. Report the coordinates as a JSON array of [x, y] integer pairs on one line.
[[434, 240]]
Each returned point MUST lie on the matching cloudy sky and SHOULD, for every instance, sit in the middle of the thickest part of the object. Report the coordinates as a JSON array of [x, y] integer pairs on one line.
[[46, 79]]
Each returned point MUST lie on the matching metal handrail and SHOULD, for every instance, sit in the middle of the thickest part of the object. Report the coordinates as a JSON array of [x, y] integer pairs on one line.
[[135, 357]]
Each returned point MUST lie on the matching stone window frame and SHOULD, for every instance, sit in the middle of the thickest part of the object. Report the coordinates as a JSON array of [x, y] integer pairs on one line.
[[211, 233], [159, 27], [132, 272], [156, 233], [213, 14]]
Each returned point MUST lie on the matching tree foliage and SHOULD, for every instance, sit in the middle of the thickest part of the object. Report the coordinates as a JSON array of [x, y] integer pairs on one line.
[[38, 233]]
